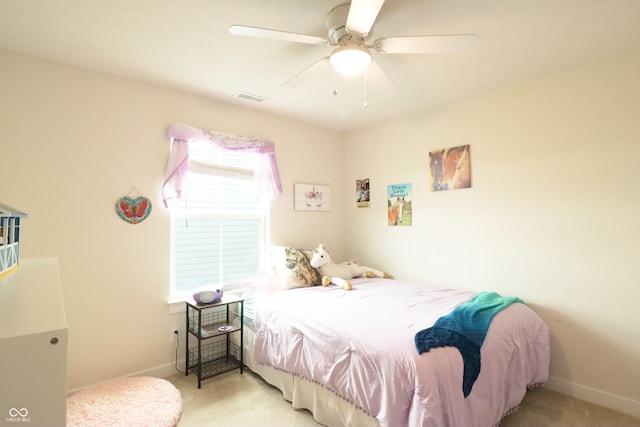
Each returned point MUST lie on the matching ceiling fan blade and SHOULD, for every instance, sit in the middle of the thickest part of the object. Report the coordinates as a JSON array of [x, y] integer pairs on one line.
[[379, 80], [455, 43], [243, 30], [317, 66], [362, 15]]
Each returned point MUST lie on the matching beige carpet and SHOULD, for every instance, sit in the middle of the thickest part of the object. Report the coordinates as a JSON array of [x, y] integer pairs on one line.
[[246, 400]]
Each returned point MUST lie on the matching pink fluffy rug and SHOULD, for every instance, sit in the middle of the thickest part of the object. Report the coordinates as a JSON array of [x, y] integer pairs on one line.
[[135, 401]]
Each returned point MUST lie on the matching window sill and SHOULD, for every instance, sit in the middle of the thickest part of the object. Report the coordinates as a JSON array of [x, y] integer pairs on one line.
[[176, 305]]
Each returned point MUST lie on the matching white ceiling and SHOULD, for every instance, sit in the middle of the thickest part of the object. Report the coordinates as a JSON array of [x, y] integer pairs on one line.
[[186, 44]]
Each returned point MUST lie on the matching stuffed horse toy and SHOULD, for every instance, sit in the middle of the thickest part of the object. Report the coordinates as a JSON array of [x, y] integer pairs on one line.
[[339, 274]]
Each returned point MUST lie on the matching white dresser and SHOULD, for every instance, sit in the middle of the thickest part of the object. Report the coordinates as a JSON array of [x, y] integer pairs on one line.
[[33, 346]]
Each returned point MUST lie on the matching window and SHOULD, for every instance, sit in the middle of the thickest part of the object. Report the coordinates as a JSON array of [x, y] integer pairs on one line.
[[219, 228]]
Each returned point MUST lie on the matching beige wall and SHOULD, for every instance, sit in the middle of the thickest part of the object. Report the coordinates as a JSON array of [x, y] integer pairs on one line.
[[73, 142], [552, 216]]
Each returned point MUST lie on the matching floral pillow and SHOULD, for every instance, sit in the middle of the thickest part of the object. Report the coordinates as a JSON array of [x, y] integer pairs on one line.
[[293, 269]]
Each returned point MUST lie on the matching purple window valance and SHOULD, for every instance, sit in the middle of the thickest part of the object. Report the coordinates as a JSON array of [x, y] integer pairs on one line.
[[180, 135]]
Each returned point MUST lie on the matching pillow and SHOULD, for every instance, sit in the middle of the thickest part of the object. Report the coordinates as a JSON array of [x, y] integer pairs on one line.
[[293, 269]]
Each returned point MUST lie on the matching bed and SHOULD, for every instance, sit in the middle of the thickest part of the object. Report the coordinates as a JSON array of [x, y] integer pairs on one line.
[[350, 357]]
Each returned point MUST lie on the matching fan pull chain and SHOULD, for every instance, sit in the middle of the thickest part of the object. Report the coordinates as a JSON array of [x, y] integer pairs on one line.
[[364, 89]]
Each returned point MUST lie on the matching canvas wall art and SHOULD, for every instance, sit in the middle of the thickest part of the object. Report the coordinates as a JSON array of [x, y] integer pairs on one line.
[[450, 168], [399, 211], [312, 197]]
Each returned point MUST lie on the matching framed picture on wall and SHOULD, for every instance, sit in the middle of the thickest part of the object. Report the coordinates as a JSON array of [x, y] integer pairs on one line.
[[399, 211], [362, 193], [312, 197], [450, 168]]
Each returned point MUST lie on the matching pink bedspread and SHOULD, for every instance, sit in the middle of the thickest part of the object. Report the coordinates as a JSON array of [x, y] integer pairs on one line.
[[360, 345]]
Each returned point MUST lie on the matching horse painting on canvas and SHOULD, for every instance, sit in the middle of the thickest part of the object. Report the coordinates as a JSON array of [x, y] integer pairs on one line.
[[450, 168]]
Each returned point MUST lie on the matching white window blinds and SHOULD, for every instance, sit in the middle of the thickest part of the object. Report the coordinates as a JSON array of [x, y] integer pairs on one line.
[[219, 226]]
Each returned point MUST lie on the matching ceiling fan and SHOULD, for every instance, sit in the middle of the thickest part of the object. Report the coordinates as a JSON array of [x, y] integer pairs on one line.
[[349, 27]]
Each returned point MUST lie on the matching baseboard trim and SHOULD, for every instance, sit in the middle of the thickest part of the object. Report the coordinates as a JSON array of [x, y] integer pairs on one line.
[[162, 371], [599, 397]]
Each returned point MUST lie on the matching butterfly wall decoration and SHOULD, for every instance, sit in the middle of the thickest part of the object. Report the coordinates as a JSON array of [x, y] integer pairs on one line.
[[135, 210]]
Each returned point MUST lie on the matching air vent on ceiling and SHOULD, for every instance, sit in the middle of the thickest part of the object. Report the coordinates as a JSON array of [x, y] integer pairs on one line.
[[249, 96]]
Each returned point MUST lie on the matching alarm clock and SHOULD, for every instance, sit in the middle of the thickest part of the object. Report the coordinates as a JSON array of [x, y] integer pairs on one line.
[[208, 297]]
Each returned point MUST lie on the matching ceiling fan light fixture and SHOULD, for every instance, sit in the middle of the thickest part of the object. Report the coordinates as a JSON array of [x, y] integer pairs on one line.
[[350, 60]]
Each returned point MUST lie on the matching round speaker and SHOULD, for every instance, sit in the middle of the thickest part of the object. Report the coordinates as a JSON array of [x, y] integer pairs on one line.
[[208, 297]]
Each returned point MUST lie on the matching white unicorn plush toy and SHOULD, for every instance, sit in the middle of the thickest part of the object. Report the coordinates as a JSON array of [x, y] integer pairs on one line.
[[339, 274]]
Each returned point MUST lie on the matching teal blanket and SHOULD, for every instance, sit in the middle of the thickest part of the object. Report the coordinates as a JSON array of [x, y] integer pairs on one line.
[[465, 328]]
